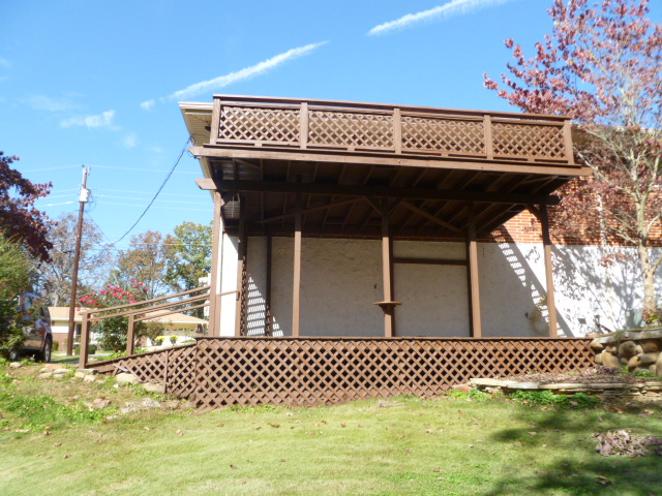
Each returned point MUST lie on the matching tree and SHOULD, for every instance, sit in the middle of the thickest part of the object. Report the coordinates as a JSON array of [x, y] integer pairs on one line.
[[144, 261], [15, 268], [93, 259], [602, 66], [188, 255], [19, 219]]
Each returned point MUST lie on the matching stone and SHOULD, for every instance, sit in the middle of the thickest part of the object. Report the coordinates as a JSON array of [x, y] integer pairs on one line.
[[611, 348], [634, 362], [144, 404], [652, 368], [154, 387], [126, 378], [596, 346], [15, 365], [610, 360], [81, 373], [647, 358], [89, 378], [45, 375], [658, 366], [650, 346], [598, 358], [99, 403], [627, 349], [61, 371]]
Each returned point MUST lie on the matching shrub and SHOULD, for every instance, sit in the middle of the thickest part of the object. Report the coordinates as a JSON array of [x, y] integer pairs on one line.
[[15, 269], [548, 398], [158, 341]]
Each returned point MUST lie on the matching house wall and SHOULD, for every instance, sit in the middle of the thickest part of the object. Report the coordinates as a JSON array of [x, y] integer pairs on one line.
[[341, 280]]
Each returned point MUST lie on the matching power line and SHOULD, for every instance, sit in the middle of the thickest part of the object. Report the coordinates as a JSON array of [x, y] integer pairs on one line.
[[151, 202]]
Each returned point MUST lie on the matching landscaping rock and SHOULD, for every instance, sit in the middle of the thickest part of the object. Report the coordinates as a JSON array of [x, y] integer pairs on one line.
[[15, 365], [126, 378], [89, 378], [154, 387], [634, 362], [647, 358], [610, 360], [61, 371], [658, 366], [596, 346], [598, 358], [144, 404], [45, 375], [99, 403], [627, 349], [650, 346], [82, 373]]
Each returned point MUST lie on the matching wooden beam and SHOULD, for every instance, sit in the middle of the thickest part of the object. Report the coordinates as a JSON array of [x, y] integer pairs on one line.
[[430, 217], [473, 282], [205, 183], [130, 335], [388, 305], [385, 192], [311, 209], [549, 271], [214, 283], [268, 323], [241, 268], [429, 261], [84, 340], [296, 277]]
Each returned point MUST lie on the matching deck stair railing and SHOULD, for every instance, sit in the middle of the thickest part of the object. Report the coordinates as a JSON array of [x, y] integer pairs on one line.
[[143, 310]]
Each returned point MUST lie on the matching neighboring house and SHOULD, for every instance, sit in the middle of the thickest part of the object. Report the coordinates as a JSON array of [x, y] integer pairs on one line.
[[177, 323]]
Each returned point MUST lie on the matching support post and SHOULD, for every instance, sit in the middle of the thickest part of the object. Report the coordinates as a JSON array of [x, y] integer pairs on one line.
[[268, 329], [296, 274], [84, 340], [473, 288], [241, 268], [549, 271], [388, 305], [130, 335], [214, 283]]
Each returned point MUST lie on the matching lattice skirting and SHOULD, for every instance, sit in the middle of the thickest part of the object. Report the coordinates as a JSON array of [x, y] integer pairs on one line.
[[307, 371]]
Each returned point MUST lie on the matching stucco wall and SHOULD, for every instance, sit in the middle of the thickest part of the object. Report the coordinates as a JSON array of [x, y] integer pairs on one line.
[[341, 280]]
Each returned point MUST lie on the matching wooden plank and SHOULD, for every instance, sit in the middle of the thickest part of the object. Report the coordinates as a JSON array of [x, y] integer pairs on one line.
[[549, 271], [473, 283], [429, 261], [296, 279], [215, 121], [241, 267], [385, 192], [310, 210], [452, 163], [268, 324], [397, 131], [214, 283], [567, 142], [487, 133], [84, 340], [303, 126], [387, 278], [130, 335], [430, 217], [205, 183]]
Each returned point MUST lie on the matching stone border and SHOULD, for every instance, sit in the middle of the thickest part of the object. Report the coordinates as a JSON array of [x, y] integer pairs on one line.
[[619, 336], [568, 387]]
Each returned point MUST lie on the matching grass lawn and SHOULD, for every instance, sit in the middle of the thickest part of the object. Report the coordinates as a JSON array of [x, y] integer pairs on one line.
[[450, 445]]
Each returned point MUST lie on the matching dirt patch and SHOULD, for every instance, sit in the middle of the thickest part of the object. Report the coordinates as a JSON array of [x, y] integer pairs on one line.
[[625, 443], [597, 375]]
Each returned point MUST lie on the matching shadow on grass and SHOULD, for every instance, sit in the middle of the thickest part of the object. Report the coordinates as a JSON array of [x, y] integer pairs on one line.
[[581, 470]]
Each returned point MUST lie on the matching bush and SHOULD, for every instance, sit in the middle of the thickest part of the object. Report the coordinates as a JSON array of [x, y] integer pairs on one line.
[[548, 398], [15, 269], [158, 341]]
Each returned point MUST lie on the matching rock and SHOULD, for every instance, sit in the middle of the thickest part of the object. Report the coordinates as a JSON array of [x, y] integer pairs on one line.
[[82, 373], [144, 404], [652, 368], [598, 358], [170, 405], [45, 375], [61, 372], [89, 378], [627, 349], [634, 362], [154, 387], [126, 378], [647, 358], [610, 360], [611, 348], [650, 346], [99, 403], [596, 346], [658, 366], [15, 365]]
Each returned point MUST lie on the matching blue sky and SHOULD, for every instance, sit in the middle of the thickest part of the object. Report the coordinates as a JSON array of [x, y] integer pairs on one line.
[[97, 83]]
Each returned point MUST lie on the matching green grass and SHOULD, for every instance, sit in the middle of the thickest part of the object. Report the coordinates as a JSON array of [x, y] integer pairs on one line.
[[464, 444]]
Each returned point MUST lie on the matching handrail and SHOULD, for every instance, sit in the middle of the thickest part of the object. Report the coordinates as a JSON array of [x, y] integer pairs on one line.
[[136, 312], [341, 127]]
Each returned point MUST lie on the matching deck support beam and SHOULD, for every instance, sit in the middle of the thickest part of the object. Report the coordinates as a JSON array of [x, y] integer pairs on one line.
[[473, 287], [549, 271], [241, 269], [388, 304], [296, 273], [130, 335], [214, 283], [268, 323]]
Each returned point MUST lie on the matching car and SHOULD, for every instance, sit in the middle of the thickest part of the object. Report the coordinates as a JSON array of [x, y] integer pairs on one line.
[[35, 320]]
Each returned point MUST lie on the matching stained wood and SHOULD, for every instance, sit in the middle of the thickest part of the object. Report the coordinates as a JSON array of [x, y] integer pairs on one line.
[[388, 305], [549, 271], [296, 279], [473, 283], [214, 299]]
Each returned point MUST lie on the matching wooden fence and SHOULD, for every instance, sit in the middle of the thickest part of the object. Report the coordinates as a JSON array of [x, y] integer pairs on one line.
[[281, 123], [307, 371]]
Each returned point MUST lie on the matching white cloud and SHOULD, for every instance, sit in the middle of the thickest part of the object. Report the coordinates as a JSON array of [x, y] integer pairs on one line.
[[49, 104], [245, 73], [449, 9], [130, 141], [148, 104], [104, 119]]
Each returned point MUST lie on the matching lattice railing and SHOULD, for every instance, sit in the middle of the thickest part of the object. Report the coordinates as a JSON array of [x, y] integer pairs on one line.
[[350, 127]]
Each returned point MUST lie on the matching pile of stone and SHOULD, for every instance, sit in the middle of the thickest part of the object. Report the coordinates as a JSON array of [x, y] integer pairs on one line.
[[637, 350]]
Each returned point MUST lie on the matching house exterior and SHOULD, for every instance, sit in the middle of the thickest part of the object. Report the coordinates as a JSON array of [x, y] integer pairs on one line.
[[172, 323], [349, 219]]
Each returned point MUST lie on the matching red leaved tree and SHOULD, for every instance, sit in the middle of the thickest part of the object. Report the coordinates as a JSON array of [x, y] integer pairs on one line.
[[602, 66], [19, 219]]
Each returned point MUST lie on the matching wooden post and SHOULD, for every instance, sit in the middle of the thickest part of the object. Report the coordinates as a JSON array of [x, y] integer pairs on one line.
[[130, 335], [388, 305], [487, 136], [214, 283], [268, 330], [84, 340], [241, 268], [549, 272], [296, 276], [473, 288]]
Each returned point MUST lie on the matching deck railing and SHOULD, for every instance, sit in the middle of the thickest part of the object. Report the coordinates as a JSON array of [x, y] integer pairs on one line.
[[341, 127]]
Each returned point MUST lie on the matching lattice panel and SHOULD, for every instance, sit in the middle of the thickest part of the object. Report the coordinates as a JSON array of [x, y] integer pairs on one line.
[[350, 130], [150, 367], [528, 141], [182, 365], [312, 371], [420, 134], [263, 125]]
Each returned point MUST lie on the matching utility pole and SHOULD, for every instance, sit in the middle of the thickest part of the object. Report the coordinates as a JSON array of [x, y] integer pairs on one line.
[[82, 199]]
